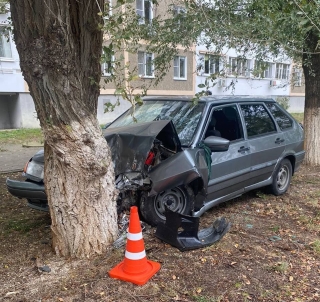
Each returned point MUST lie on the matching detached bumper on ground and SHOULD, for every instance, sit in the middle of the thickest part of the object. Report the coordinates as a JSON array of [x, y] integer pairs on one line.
[[33, 192]]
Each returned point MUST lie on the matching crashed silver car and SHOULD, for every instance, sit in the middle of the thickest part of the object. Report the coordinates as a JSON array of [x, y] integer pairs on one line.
[[172, 152]]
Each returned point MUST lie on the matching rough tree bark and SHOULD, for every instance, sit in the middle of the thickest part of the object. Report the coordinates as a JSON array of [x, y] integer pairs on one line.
[[59, 43], [311, 68]]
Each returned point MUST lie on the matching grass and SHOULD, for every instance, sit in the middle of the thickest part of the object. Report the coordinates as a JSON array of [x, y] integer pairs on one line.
[[281, 267], [20, 136], [316, 246], [206, 299], [298, 116], [23, 225]]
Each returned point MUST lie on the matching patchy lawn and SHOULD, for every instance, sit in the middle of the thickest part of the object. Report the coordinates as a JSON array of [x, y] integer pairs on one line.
[[18, 136], [271, 253]]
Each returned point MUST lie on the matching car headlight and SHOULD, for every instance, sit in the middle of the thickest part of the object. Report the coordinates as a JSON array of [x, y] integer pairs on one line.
[[34, 169]]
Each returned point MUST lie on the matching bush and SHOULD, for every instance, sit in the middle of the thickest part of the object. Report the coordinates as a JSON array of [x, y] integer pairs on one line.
[[283, 102]]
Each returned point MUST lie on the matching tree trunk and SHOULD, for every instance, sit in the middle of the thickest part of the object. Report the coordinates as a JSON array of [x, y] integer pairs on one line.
[[311, 68], [59, 43]]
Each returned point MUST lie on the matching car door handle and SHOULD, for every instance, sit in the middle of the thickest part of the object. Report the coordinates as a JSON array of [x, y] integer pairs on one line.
[[243, 149], [279, 140]]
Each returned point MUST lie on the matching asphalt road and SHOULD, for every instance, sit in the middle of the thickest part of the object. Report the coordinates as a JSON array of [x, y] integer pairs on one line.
[[13, 157]]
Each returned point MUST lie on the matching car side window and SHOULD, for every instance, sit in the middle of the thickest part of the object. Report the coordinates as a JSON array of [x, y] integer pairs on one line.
[[225, 122], [257, 120], [284, 121]]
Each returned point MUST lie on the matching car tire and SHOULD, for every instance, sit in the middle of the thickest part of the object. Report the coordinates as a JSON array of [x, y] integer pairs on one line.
[[281, 178], [178, 199]]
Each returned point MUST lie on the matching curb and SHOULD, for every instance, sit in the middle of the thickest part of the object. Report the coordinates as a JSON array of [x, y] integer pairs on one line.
[[32, 144], [11, 171]]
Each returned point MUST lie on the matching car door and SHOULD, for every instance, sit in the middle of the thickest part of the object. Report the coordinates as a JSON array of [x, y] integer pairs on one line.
[[266, 142], [230, 170]]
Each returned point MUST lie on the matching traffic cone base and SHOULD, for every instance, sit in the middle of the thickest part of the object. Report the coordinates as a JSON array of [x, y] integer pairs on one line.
[[135, 267], [141, 278]]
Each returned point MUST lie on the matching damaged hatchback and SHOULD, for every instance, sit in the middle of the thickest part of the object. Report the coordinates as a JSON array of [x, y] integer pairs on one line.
[[190, 156]]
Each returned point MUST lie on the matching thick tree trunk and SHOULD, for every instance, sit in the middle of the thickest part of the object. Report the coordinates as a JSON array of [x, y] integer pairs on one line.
[[59, 43], [311, 67]]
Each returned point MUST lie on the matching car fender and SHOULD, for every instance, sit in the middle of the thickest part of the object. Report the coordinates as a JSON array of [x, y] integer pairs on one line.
[[180, 169]]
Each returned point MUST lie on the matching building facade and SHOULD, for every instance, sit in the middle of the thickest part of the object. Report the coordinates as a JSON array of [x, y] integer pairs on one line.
[[179, 80], [188, 73], [16, 105]]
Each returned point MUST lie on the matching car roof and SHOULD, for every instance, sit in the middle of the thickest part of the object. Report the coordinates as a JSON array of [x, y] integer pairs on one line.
[[213, 99]]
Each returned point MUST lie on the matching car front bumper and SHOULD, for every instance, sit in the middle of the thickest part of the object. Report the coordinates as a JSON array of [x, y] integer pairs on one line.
[[26, 189]]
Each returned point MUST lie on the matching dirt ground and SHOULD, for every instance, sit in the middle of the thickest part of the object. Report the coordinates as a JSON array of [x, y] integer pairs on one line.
[[271, 253]]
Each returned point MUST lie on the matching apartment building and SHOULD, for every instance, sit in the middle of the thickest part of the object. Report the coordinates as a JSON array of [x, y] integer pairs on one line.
[[16, 105], [297, 89], [179, 80], [243, 76], [236, 75], [239, 75]]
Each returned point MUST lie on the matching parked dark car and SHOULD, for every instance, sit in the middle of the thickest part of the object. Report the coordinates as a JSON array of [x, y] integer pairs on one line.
[[172, 152]]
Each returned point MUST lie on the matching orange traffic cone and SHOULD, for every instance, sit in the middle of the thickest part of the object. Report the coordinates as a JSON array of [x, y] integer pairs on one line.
[[135, 267]]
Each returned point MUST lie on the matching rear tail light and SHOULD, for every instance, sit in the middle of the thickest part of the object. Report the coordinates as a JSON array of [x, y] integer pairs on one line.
[[26, 166]]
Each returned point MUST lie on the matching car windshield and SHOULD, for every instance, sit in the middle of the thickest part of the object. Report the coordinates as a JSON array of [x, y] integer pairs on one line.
[[184, 115]]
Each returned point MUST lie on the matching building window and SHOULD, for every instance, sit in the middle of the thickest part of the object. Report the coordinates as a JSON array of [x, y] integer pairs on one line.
[[107, 60], [211, 64], [108, 8], [145, 64], [297, 77], [5, 47], [144, 11], [282, 71], [179, 12], [107, 65], [262, 69], [180, 68], [239, 67]]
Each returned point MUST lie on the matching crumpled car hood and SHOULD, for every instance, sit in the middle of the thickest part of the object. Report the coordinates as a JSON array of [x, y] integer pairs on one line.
[[131, 144]]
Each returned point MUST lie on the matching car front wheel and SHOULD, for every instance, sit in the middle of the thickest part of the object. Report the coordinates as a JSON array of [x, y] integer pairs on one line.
[[282, 177], [179, 199]]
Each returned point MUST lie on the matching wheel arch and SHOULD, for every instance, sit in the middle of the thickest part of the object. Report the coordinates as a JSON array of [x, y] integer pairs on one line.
[[197, 185], [292, 160]]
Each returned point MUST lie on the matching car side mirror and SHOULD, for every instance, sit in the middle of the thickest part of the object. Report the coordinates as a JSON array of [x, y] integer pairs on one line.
[[217, 144]]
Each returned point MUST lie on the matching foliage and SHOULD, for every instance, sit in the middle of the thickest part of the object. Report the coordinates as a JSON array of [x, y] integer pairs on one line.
[[127, 32], [263, 30], [283, 102], [4, 6]]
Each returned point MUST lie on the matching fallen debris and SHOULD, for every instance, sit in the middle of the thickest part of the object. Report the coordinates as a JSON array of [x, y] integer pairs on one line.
[[190, 238]]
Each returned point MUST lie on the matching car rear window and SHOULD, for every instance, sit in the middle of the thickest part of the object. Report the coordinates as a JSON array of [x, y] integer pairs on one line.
[[282, 119], [257, 120]]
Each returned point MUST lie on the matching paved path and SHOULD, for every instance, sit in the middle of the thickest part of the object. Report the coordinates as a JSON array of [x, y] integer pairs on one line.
[[13, 157]]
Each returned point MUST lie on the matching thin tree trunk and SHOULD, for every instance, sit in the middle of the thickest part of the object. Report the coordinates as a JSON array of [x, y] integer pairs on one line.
[[311, 67], [59, 43]]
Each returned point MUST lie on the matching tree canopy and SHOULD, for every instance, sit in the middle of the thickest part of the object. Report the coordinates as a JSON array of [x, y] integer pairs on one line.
[[262, 29]]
